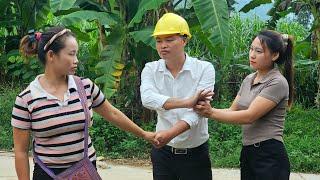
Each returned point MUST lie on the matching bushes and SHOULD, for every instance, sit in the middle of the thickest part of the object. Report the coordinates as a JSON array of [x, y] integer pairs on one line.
[[301, 137], [7, 99], [111, 141]]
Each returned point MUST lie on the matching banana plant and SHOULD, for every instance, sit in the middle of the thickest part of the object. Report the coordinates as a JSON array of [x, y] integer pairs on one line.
[[124, 25], [119, 24], [253, 4], [130, 19], [17, 17], [213, 17]]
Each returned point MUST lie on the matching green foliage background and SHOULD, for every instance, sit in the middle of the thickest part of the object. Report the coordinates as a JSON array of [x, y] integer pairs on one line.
[[302, 125]]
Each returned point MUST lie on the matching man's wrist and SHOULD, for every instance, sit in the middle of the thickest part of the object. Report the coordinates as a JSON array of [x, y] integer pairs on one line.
[[171, 133], [187, 103], [174, 103]]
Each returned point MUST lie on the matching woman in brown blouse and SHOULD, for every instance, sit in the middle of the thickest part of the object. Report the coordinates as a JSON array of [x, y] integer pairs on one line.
[[260, 107]]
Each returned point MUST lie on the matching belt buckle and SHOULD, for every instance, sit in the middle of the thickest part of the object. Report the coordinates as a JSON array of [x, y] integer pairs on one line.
[[256, 144], [179, 150]]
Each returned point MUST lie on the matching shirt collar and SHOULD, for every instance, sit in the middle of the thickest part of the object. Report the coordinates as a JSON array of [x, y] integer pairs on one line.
[[187, 66], [268, 76], [38, 92]]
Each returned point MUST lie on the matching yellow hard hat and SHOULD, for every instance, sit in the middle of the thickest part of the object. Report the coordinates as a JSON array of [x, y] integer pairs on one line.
[[171, 23]]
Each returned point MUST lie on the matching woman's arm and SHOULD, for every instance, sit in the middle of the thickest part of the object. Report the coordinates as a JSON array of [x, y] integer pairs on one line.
[[234, 105], [21, 146], [258, 108], [116, 117]]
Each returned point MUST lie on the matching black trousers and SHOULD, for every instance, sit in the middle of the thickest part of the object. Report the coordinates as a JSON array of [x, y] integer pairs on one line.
[[267, 160], [40, 174], [177, 164]]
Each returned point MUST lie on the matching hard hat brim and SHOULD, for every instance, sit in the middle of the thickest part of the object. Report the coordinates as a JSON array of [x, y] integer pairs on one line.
[[169, 33]]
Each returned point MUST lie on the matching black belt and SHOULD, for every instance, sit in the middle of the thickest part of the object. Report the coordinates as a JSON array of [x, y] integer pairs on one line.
[[262, 143], [185, 150]]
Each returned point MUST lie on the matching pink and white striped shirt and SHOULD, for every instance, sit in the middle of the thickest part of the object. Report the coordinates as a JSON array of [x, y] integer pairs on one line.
[[57, 126]]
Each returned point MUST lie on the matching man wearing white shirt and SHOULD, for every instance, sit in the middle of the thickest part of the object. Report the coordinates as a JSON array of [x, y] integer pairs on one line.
[[172, 86]]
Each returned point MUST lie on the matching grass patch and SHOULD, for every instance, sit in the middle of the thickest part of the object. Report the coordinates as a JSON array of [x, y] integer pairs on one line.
[[225, 144], [301, 137]]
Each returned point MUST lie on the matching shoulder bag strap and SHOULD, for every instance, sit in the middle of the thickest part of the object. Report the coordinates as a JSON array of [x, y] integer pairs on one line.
[[83, 100]]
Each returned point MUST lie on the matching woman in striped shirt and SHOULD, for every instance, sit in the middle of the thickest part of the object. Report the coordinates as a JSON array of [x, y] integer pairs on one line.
[[50, 109]]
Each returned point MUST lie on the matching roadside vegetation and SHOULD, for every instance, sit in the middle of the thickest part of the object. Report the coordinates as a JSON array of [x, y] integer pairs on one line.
[[115, 43]]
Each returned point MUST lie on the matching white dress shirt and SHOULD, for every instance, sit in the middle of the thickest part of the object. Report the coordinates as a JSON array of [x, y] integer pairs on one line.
[[158, 85]]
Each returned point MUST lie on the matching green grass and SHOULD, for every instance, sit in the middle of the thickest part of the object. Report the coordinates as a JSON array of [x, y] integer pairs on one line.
[[225, 144], [301, 137]]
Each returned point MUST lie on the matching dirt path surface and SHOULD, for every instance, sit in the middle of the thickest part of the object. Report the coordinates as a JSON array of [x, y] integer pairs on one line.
[[112, 170]]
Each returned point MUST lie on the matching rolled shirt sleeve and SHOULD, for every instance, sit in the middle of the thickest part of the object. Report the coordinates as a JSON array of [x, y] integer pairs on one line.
[[206, 82], [190, 117], [207, 79], [150, 96]]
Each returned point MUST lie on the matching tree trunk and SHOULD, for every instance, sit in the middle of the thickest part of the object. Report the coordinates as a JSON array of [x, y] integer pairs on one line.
[[148, 115], [317, 56], [316, 45]]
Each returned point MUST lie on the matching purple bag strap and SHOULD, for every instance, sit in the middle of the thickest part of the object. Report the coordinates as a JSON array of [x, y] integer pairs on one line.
[[83, 100]]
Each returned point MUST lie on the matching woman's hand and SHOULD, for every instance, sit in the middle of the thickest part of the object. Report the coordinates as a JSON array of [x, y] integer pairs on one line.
[[202, 95], [150, 137], [204, 109]]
